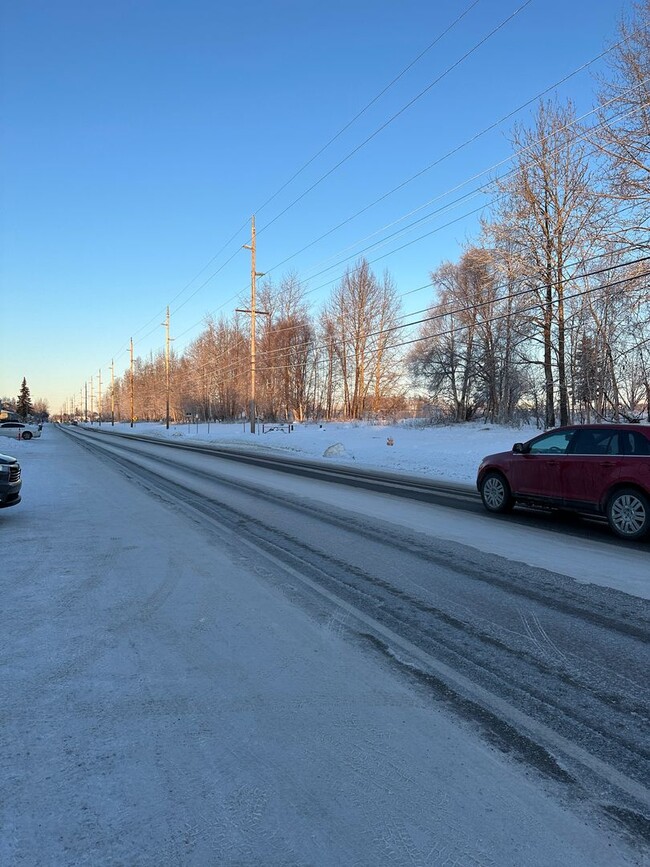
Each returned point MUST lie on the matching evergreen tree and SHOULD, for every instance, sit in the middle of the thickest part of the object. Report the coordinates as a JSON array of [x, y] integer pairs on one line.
[[24, 405]]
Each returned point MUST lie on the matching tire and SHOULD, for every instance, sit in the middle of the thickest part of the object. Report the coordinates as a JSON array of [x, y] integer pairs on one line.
[[496, 494], [628, 513], [27, 435]]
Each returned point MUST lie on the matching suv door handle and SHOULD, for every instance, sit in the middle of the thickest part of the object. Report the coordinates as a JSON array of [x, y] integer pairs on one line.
[[608, 464]]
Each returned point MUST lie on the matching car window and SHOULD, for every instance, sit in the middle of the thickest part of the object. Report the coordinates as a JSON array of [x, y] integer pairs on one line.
[[12, 424], [555, 443], [595, 442], [633, 443]]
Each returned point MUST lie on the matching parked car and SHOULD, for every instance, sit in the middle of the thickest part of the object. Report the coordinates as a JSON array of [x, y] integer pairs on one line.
[[10, 481], [19, 430], [598, 469]]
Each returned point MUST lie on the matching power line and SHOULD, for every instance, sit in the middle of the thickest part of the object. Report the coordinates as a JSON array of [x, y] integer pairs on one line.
[[385, 240], [476, 191], [398, 113], [402, 184], [501, 316], [445, 156], [367, 207], [308, 163], [426, 168], [532, 307], [500, 299], [368, 105]]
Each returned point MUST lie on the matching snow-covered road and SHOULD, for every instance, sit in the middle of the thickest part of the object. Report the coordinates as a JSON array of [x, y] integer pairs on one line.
[[168, 703], [562, 546]]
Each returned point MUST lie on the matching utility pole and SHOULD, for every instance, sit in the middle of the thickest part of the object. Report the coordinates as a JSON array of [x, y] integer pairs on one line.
[[112, 393], [131, 382], [330, 376], [253, 312], [99, 398], [86, 402], [207, 395], [166, 324], [92, 399]]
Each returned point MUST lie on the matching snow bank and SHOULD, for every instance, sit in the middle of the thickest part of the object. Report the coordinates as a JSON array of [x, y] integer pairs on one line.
[[442, 452]]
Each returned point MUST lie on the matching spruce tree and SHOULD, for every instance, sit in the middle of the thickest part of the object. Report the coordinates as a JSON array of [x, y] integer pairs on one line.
[[24, 405]]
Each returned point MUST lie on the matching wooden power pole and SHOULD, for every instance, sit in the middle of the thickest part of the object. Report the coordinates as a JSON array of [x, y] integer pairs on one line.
[[166, 324], [112, 393], [253, 313], [99, 398], [131, 382]]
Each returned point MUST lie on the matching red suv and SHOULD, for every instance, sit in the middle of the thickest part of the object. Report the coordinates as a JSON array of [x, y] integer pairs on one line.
[[601, 468]]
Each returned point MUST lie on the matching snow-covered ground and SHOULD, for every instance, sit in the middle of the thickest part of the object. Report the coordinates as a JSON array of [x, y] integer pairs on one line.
[[164, 703], [445, 452]]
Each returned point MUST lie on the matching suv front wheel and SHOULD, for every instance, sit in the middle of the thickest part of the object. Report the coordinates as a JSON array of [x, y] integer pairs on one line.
[[496, 494], [628, 513]]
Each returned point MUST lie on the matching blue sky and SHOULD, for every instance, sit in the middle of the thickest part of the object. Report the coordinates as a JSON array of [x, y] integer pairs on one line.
[[139, 137]]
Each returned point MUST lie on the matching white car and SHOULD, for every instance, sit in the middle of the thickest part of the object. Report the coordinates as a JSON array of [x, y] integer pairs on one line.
[[19, 431]]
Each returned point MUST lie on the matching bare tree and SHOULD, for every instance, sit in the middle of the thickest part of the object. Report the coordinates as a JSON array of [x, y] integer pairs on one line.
[[624, 132], [548, 211], [357, 320], [446, 358], [287, 348], [465, 355]]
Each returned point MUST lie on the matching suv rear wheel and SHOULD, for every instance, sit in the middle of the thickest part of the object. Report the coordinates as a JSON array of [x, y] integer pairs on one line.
[[628, 513], [496, 494]]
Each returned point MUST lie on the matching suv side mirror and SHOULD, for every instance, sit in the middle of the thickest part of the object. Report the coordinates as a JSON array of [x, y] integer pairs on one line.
[[519, 449]]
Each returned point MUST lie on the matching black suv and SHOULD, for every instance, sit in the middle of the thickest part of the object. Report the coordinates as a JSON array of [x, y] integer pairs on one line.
[[10, 481]]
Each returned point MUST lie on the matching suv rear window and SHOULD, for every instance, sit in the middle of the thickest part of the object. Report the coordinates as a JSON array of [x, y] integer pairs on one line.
[[595, 442], [631, 442]]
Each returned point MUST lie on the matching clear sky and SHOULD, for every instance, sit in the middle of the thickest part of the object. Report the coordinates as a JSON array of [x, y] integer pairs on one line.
[[139, 136]]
